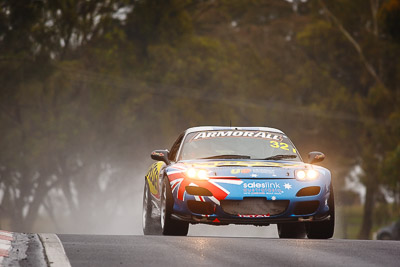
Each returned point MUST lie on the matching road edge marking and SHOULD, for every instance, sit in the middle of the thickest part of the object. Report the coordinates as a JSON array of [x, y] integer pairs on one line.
[[54, 251], [6, 239]]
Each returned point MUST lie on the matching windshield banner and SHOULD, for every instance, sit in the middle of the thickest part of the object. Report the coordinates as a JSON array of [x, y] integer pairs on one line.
[[250, 134]]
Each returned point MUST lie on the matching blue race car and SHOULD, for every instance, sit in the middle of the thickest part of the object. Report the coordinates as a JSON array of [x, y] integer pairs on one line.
[[237, 175]]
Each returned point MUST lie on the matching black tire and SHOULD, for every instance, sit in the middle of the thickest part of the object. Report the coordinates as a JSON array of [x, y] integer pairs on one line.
[[291, 230], [170, 226], [151, 226], [323, 229]]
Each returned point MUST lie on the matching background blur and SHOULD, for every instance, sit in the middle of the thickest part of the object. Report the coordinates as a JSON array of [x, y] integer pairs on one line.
[[90, 88]]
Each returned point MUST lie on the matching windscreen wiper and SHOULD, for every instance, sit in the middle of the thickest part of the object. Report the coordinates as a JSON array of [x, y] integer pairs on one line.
[[228, 157], [277, 157]]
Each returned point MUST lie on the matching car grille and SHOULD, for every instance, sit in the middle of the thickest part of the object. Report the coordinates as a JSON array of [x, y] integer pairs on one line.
[[200, 207], [254, 206]]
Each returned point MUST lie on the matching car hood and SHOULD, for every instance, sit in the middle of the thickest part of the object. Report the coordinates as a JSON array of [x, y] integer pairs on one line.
[[244, 168]]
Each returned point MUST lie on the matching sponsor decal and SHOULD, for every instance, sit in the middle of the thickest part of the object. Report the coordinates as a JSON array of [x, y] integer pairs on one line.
[[262, 185], [264, 171], [237, 171], [262, 188], [254, 216], [250, 134]]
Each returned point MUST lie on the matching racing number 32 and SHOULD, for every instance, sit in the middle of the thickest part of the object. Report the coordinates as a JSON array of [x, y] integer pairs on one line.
[[283, 146]]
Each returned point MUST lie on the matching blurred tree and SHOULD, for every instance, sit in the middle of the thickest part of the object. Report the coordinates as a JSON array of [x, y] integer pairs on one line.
[[158, 21], [36, 103], [355, 53], [388, 16]]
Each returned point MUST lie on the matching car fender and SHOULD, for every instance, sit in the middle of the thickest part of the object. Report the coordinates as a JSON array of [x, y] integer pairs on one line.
[[154, 178]]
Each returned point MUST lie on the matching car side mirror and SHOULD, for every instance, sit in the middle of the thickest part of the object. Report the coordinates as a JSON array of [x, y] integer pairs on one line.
[[315, 156], [160, 155]]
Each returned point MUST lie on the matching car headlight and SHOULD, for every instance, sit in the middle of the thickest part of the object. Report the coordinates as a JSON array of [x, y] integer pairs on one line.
[[306, 175], [197, 174]]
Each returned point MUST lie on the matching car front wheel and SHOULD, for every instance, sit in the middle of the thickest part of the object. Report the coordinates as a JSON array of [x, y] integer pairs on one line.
[[170, 226], [324, 229]]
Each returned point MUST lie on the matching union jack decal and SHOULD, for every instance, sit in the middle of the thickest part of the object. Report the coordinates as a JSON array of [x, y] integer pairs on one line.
[[179, 181]]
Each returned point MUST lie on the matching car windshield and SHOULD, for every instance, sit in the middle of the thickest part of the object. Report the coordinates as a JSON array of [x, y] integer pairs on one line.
[[238, 144]]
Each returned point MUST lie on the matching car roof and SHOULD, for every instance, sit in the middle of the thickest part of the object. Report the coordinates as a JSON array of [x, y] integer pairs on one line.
[[227, 128]]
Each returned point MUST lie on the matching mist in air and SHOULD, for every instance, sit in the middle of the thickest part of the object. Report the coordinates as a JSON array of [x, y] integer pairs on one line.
[[89, 90]]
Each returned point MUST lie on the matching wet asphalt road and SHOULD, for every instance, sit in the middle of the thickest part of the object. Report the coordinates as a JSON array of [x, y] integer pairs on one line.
[[97, 250]]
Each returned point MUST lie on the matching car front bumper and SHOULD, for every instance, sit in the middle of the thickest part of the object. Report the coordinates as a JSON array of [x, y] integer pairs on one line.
[[302, 201]]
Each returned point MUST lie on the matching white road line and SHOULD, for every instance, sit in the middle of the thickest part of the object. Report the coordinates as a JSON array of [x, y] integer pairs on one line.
[[6, 234], [5, 246], [54, 251]]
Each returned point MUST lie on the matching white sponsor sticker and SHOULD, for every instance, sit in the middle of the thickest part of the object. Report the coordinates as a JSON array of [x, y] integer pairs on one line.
[[262, 188], [251, 134]]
